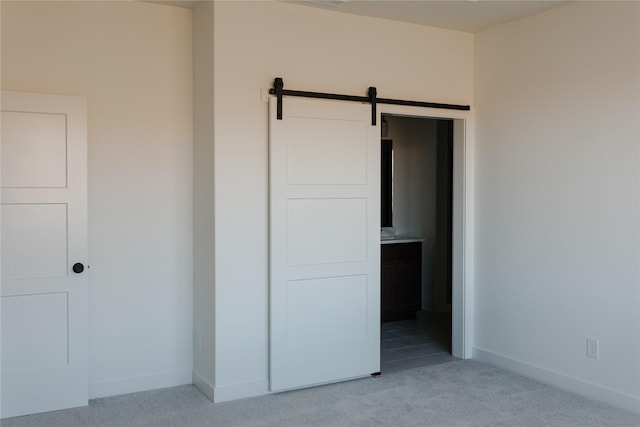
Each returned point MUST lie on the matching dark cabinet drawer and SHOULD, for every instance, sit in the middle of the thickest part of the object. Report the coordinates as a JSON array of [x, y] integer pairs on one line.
[[402, 251]]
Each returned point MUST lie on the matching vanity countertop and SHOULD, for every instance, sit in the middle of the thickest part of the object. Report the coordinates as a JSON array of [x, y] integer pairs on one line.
[[386, 240]]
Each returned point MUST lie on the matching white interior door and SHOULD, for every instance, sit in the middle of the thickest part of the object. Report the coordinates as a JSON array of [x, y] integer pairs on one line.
[[324, 243], [43, 233]]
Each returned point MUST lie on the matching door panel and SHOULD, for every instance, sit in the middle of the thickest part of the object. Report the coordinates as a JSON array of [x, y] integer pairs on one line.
[[313, 299], [43, 219], [24, 336], [310, 221], [314, 143], [324, 243], [34, 240], [34, 150]]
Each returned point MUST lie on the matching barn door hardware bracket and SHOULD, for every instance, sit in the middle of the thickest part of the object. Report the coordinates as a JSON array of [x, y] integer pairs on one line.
[[373, 93], [278, 86], [372, 97]]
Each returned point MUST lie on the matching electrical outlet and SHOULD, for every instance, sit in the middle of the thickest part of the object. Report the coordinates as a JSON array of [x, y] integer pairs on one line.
[[593, 348]]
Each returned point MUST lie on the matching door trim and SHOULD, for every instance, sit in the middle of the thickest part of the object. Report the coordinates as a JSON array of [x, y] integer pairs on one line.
[[463, 218]]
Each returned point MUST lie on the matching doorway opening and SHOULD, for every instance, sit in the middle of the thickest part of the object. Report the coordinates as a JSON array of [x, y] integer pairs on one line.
[[417, 188]]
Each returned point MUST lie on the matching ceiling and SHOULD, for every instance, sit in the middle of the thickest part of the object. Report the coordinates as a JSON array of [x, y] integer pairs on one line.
[[463, 15], [189, 4], [469, 16]]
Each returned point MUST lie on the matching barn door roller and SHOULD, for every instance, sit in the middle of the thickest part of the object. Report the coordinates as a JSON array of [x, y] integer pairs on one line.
[[279, 91]]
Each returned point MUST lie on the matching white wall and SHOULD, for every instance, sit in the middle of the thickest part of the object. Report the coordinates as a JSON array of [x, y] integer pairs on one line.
[[557, 189], [133, 61], [203, 204], [414, 175], [414, 190], [311, 49]]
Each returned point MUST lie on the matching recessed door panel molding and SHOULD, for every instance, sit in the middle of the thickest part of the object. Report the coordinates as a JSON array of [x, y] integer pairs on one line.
[[326, 151], [34, 150], [324, 243], [25, 336], [33, 240], [43, 216], [310, 300], [323, 231]]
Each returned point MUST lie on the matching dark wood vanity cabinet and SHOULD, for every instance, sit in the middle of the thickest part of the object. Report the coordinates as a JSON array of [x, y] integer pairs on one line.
[[401, 280]]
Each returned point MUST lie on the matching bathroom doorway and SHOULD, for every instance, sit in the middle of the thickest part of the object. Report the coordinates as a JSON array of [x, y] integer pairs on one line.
[[416, 241]]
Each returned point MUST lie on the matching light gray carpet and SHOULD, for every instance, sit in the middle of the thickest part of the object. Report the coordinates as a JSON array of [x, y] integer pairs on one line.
[[454, 393]]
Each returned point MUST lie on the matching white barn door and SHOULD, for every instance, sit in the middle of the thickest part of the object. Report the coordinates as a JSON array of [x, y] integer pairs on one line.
[[324, 243], [43, 244]]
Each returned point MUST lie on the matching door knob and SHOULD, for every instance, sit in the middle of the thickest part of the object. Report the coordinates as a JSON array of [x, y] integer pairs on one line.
[[78, 267]]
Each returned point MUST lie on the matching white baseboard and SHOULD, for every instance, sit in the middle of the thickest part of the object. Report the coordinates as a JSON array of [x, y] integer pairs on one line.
[[142, 383], [240, 391], [203, 385], [560, 380]]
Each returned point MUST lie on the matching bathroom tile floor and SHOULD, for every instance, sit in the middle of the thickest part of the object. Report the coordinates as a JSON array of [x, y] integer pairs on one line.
[[423, 341]]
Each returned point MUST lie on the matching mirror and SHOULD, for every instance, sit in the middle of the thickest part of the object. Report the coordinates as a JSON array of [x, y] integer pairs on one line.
[[386, 194]]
